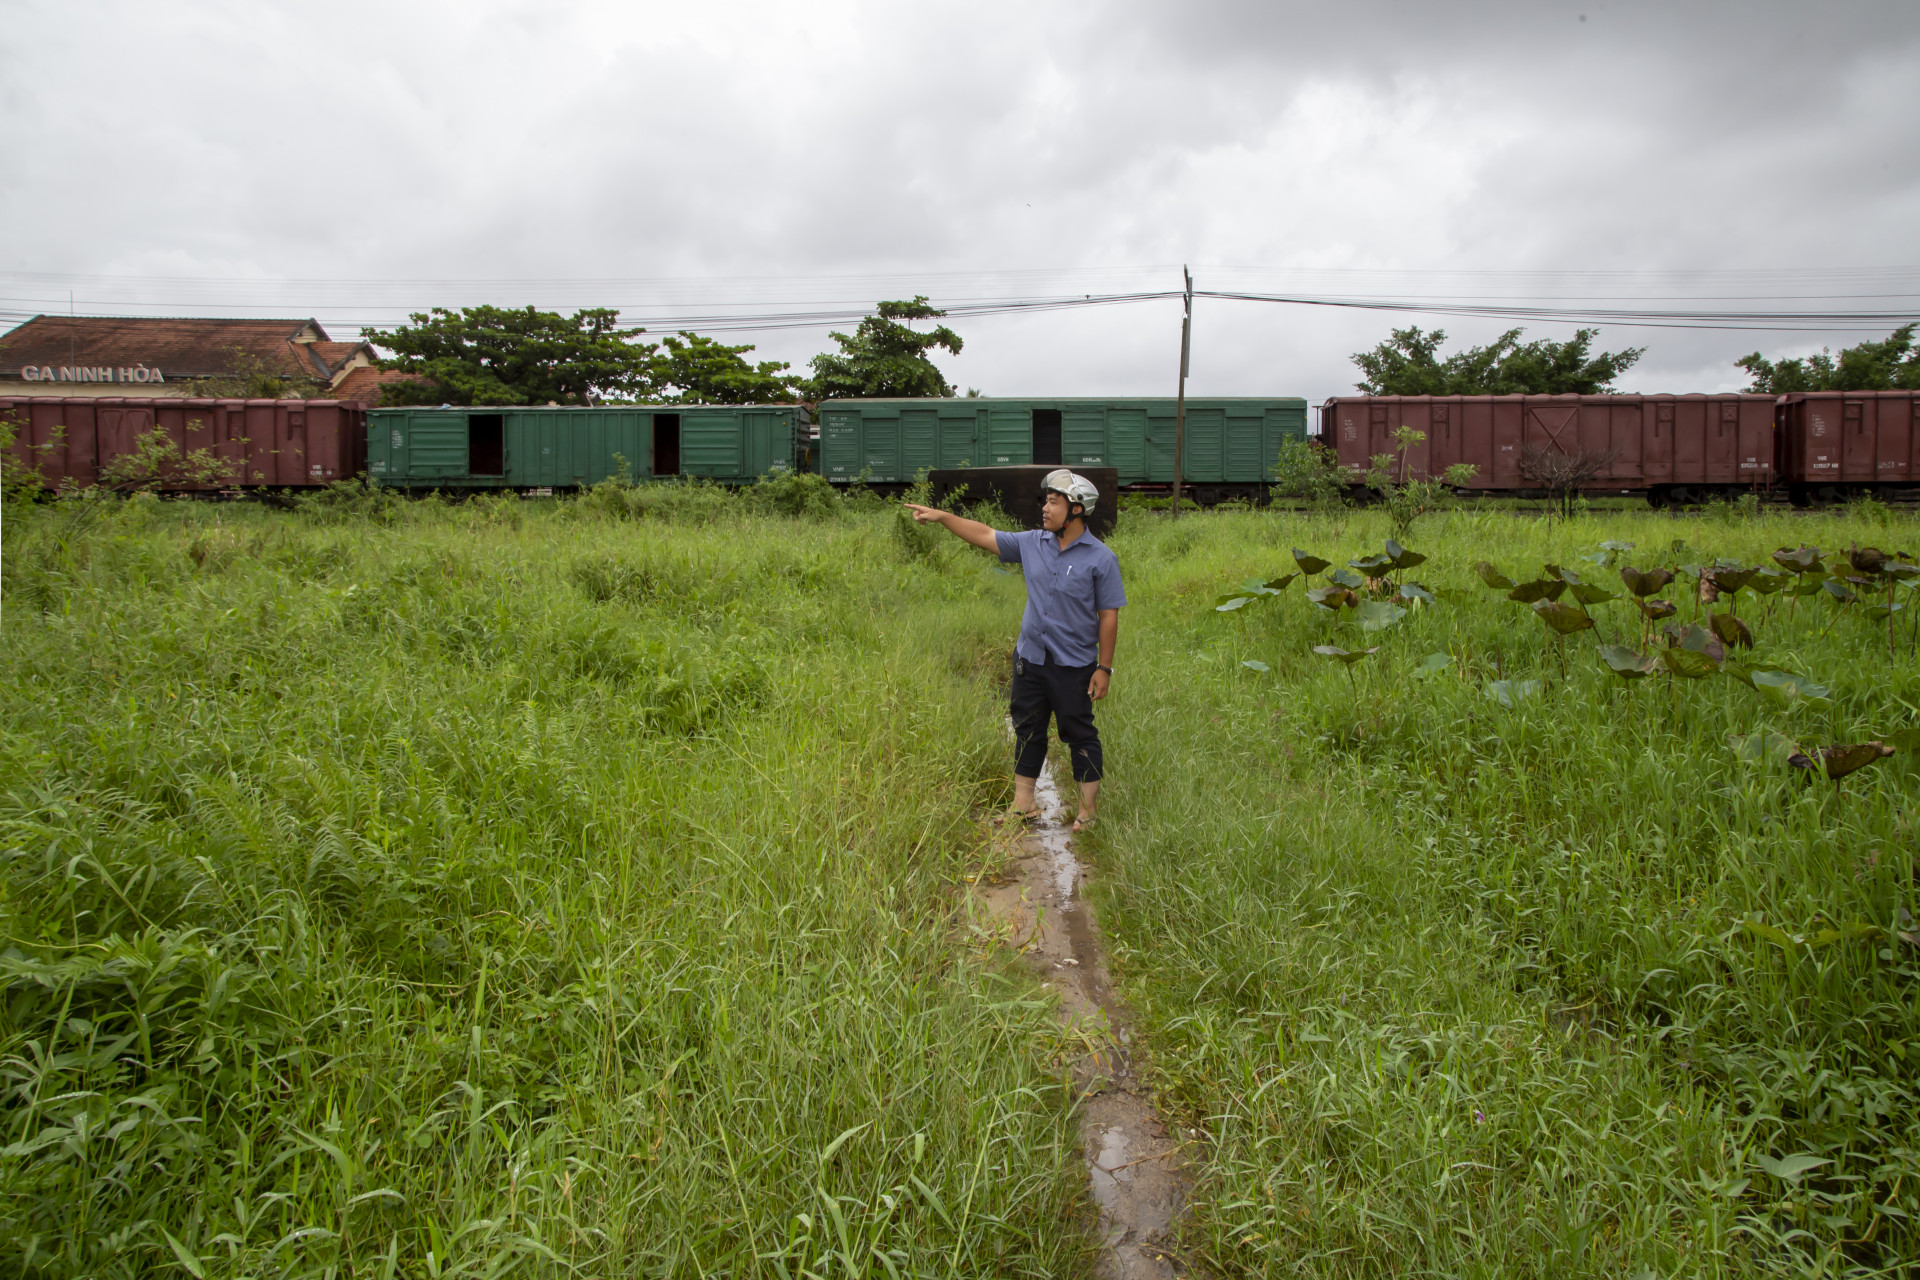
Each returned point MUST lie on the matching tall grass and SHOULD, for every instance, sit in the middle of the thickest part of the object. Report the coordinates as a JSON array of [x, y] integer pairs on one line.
[[507, 888], [1445, 987]]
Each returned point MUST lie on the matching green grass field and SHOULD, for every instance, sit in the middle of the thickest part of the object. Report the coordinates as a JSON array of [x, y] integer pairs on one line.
[[511, 888], [1453, 987], [573, 888]]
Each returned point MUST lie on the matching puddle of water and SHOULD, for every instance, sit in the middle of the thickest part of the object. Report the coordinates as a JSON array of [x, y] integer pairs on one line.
[[1133, 1163]]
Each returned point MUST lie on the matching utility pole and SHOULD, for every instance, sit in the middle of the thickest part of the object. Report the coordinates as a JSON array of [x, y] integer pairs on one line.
[[1180, 405]]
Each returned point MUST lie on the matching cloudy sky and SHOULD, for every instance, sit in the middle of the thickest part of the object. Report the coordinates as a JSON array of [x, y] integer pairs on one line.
[[358, 161]]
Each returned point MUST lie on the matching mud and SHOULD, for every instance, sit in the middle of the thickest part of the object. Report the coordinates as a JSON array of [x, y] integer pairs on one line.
[[1138, 1181]]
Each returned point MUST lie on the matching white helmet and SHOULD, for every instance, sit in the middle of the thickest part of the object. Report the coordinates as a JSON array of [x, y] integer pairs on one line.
[[1071, 487]]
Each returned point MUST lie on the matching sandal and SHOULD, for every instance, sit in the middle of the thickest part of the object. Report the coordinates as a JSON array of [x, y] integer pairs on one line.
[[1083, 824], [1019, 817]]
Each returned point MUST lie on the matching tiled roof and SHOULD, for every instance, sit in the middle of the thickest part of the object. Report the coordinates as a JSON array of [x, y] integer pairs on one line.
[[178, 347], [335, 355], [365, 382]]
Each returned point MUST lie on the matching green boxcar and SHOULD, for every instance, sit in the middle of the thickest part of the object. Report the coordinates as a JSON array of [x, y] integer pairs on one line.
[[510, 447], [1231, 444]]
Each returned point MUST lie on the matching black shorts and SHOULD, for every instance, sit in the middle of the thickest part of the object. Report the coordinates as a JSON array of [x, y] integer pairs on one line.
[[1043, 690]]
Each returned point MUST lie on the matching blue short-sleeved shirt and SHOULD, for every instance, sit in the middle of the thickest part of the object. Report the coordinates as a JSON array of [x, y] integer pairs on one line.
[[1065, 592]]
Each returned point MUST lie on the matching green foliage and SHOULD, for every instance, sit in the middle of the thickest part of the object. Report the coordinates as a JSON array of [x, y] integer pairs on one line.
[[886, 356], [1405, 500], [500, 355], [1409, 364], [792, 493], [693, 369], [1312, 471], [1891, 364], [20, 478], [157, 462]]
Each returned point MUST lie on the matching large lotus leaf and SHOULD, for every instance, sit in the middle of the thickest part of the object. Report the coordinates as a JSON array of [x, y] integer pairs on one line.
[[1538, 589], [1432, 665], [1881, 612], [1733, 580], [1907, 739], [1679, 550], [1401, 557], [1809, 586], [1866, 559], [1627, 664], [1840, 591], [1611, 545], [1378, 615], [1348, 656], [1410, 591], [1901, 570], [1657, 609], [1511, 693], [1843, 760], [1347, 578], [1731, 630], [1493, 577], [1229, 603], [1767, 580], [1563, 618], [1256, 587], [1309, 565], [1332, 597], [1254, 664], [1758, 748], [1371, 565], [1798, 560], [1788, 689], [1689, 664], [1280, 583], [1698, 639], [1739, 671], [1645, 584], [1559, 574], [1588, 594]]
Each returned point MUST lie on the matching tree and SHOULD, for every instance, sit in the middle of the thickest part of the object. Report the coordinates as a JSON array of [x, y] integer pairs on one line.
[[499, 355], [1564, 473], [1408, 364], [884, 357], [248, 377], [1889, 365], [695, 370]]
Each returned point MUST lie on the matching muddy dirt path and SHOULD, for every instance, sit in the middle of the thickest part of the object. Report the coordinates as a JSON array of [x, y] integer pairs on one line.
[[1133, 1161]]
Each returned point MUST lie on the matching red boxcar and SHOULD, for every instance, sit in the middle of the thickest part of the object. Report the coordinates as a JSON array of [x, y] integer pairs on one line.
[[278, 444], [1834, 444], [1670, 448]]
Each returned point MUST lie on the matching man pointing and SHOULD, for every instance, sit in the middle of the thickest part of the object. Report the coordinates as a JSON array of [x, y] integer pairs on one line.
[[1064, 659]]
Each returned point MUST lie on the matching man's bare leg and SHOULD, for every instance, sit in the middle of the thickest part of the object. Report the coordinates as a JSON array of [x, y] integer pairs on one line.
[[1089, 804], [1023, 794]]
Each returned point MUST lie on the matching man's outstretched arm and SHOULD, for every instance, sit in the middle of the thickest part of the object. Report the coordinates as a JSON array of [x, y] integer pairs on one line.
[[980, 535]]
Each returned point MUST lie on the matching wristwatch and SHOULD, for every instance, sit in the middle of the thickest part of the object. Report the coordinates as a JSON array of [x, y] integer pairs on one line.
[[1101, 666]]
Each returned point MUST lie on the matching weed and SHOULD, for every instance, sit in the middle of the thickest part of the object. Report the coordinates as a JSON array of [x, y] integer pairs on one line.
[[446, 888]]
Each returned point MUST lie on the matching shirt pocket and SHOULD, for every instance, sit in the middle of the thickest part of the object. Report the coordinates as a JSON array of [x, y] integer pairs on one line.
[[1076, 589]]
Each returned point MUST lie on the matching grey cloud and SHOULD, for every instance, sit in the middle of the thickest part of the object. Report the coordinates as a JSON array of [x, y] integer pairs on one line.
[[892, 143]]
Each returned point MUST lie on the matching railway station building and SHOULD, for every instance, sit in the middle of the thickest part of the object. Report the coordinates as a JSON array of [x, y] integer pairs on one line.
[[132, 356]]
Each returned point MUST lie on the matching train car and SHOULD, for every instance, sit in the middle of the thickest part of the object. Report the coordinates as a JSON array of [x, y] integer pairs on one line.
[[571, 447], [1673, 449], [1832, 445], [1230, 449], [269, 444]]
